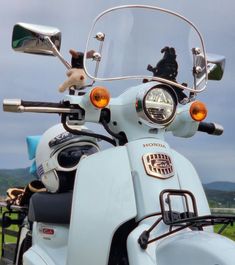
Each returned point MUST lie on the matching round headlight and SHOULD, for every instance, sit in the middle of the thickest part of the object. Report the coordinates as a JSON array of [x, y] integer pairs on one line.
[[159, 105]]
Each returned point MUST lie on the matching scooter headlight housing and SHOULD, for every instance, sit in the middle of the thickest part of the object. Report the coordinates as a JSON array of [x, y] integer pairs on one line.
[[157, 105]]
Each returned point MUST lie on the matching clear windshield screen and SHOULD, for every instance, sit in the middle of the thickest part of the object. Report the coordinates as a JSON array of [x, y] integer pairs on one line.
[[146, 42]]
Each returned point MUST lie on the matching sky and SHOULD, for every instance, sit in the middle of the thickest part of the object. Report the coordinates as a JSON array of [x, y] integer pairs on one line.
[[31, 77]]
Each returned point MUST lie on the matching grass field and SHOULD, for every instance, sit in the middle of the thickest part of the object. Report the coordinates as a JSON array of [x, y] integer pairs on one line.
[[228, 232], [8, 238]]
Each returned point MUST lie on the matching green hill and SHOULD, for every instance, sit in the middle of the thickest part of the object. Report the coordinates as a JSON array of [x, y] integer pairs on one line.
[[220, 194], [221, 199], [13, 178], [220, 185]]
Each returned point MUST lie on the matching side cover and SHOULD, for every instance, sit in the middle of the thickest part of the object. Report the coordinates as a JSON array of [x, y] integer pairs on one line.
[[103, 200]]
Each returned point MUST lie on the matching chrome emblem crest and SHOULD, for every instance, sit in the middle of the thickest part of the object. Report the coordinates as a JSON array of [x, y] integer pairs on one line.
[[158, 165]]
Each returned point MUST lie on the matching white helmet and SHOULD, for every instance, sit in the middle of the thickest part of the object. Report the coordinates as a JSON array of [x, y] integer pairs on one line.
[[58, 154]]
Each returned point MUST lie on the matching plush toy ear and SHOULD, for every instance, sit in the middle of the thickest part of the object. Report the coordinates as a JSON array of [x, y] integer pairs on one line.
[[32, 143]]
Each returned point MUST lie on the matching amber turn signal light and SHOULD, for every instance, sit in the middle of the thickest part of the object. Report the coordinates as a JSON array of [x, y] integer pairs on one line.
[[198, 111], [100, 97]]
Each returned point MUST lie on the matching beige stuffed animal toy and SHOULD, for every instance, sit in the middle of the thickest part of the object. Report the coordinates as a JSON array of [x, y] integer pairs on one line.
[[76, 75]]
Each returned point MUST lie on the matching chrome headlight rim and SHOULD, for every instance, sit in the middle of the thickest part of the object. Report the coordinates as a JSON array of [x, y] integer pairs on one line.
[[142, 109]]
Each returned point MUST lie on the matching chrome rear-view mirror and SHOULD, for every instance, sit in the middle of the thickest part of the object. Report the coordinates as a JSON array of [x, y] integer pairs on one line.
[[37, 39], [215, 66]]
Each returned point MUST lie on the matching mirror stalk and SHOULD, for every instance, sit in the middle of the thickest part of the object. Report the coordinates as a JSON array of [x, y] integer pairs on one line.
[[56, 52]]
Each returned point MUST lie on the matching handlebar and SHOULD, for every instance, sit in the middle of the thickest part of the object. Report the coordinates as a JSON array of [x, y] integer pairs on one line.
[[18, 105], [210, 128]]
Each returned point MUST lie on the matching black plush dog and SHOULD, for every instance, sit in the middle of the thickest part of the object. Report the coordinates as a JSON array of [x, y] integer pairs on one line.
[[167, 67]]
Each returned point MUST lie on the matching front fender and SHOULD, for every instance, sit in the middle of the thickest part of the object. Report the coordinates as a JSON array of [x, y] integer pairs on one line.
[[183, 248], [194, 248]]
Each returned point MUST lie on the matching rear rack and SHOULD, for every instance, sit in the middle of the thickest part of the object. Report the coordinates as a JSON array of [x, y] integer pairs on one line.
[[178, 221]]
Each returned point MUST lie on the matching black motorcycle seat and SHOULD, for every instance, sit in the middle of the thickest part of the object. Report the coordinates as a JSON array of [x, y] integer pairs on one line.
[[50, 208]]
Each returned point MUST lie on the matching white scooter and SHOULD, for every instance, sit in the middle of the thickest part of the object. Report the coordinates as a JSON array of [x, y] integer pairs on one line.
[[140, 202]]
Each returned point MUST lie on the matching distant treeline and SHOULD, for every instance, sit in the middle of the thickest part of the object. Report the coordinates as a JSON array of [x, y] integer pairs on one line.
[[13, 178], [221, 199]]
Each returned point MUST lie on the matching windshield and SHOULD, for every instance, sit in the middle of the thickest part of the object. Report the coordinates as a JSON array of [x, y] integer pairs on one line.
[[146, 42]]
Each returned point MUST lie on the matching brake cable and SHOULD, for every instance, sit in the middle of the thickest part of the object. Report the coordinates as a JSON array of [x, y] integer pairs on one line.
[[77, 132]]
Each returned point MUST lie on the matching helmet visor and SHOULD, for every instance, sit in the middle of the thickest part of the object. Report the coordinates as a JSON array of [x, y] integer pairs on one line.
[[69, 157]]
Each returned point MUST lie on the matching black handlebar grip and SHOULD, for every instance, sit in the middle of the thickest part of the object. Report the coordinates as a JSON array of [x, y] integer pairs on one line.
[[210, 128], [18, 105], [41, 104]]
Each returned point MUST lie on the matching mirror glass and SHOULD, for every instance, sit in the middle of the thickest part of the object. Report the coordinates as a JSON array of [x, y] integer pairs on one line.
[[215, 65], [35, 39]]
